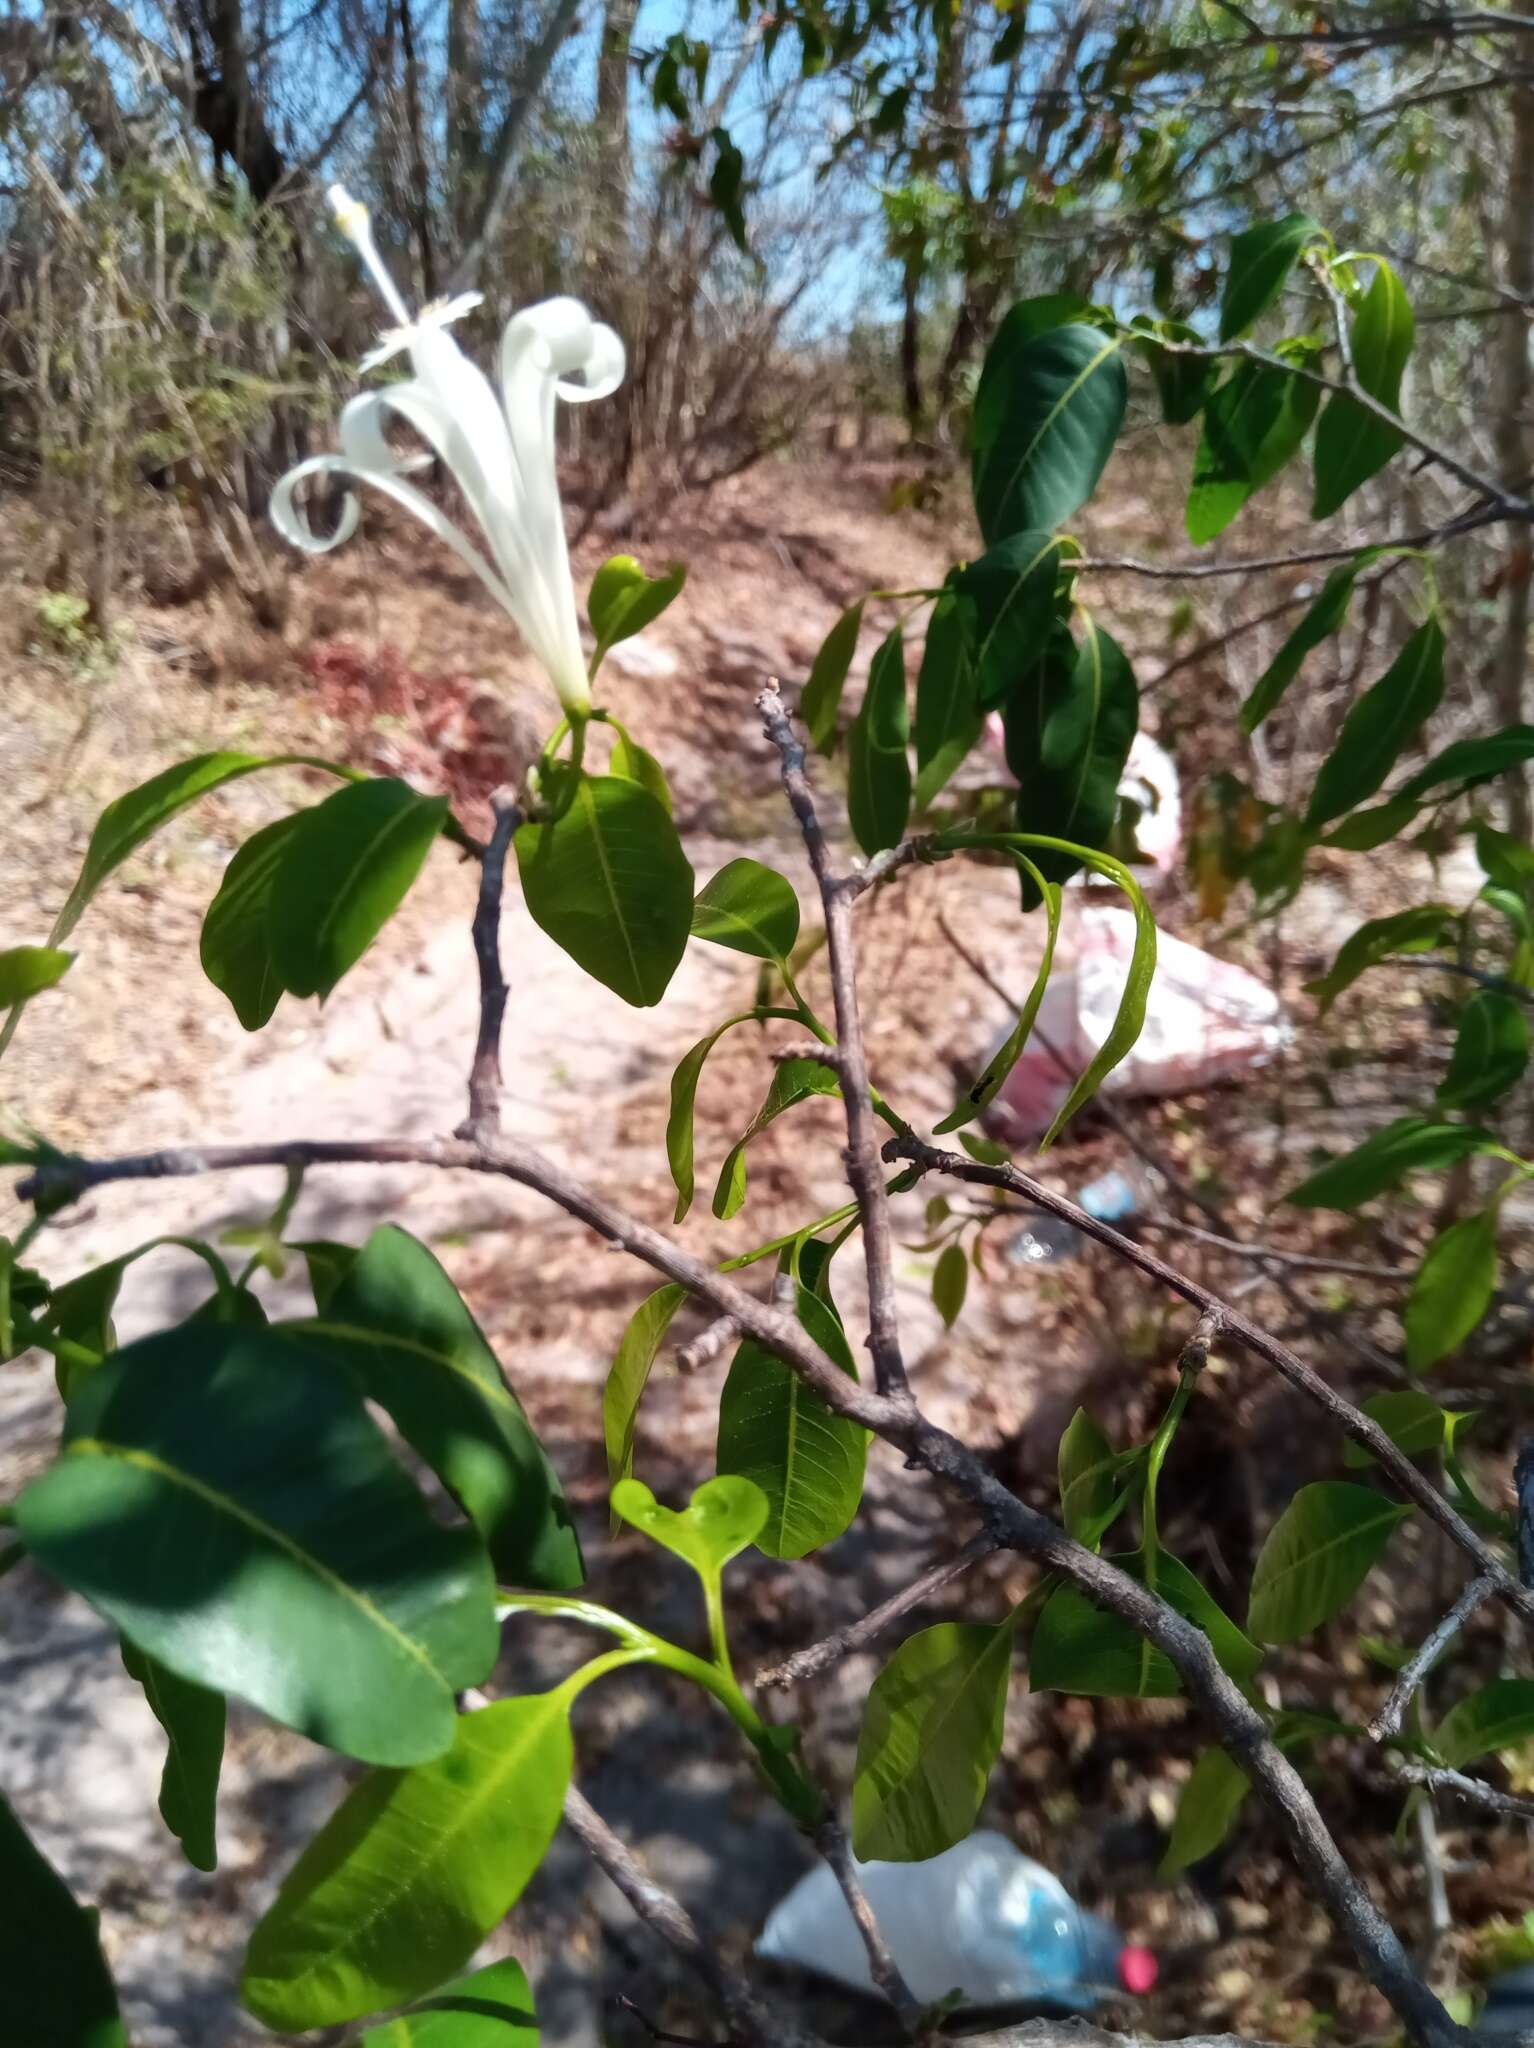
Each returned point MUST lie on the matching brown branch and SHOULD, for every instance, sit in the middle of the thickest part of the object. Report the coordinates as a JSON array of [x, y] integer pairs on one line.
[[484, 1117], [1389, 1718], [831, 1841], [1474, 1791], [703, 1349], [817, 1657]]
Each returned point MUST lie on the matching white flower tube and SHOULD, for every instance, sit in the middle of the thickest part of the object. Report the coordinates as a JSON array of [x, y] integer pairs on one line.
[[500, 450]]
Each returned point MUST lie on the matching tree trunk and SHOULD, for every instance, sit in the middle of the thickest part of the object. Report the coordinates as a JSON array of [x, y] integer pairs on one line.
[[910, 343], [610, 235], [1515, 440], [420, 187], [465, 103]]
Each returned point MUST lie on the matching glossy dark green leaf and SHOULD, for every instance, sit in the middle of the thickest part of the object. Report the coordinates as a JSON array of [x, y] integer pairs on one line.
[[623, 600], [609, 882], [749, 908], [822, 694], [55, 1988], [1048, 410], [1365, 830], [490, 2008], [1261, 259], [1067, 742], [629, 1374], [794, 1081], [1412, 1144], [25, 971], [1418, 930], [1182, 381], [1206, 1812], [1467, 763], [411, 1872], [327, 1264], [1452, 1289], [401, 1327], [1254, 423], [948, 714], [1490, 1052], [1325, 617], [236, 948], [344, 871], [1317, 1555], [1383, 722], [777, 1432], [1352, 443], [1087, 1464], [1081, 1648], [223, 1498], [950, 1283], [1015, 592], [1412, 1422], [193, 1720], [1498, 1716], [878, 767], [931, 1734], [723, 1518]]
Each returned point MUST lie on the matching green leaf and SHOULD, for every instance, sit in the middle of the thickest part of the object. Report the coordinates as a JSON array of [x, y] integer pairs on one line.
[[411, 1872], [193, 1720], [1081, 1648], [328, 1265], [1452, 1289], [1499, 1716], [401, 1327], [1417, 930], [950, 1283], [1206, 1812], [633, 763], [609, 882], [629, 1372], [1368, 829], [794, 1081], [58, 1991], [623, 600], [1047, 412], [1412, 1422], [344, 871], [984, 1090], [1014, 590], [931, 1734], [1067, 743], [1253, 423], [878, 768], [1182, 382], [1261, 259], [948, 714], [1385, 720], [491, 2008], [1318, 1553], [1490, 1052], [1412, 1144], [724, 1517], [822, 694], [236, 948], [1324, 618], [1352, 443], [224, 1500], [679, 1124], [25, 971], [1130, 1015], [749, 908], [1086, 1464], [775, 1430], [1471, 762]]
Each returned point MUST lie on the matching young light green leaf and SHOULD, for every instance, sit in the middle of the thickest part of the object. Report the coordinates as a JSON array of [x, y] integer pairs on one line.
[[1261, 259], [794, 1082], [878, 767], [634, 763], [822, 694], [1417, 930], [984, 1090], [1253, 423], [58, 1991], [292, 1563], [623, 600], [1206, 1812], [749, 908], [25, 971], [1067, 742], [1384, 721], [1412, 1422], [411, 1872], [1318, 1553], [1471, 762], [1412, 1144], [931, 1734], [1452, 1289], [1352, 442], [490, 2008], [1080, 1648], [948, 714], [1324, 618], [724, 1517], [236, 947], [679, 1124], [629, 1373], [950, 1283], [608, 881], [193, 1720], [1130, 1015], [1047, 412], [1490, 1052], [344, 871], [1498, 1716], [1086, 1464], [402, 1329]]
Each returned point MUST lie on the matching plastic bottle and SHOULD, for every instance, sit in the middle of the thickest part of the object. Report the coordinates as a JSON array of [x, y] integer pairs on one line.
[[980, 1919]]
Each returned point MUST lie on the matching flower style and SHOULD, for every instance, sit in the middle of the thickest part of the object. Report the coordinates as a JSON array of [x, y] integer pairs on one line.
[[500, 450]]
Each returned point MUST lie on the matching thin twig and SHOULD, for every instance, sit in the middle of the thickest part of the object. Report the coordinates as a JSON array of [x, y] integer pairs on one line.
[[659, 2033], [817, 1657], [484, 1117], [1388, 1720], [703, 1349], [1473, 1791], [831, 1841], [1270, 1254]]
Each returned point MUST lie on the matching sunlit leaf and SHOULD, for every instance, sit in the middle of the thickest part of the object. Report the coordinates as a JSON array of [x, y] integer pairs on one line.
[[1452, 1289], [1317, 1555], [1047, 412]]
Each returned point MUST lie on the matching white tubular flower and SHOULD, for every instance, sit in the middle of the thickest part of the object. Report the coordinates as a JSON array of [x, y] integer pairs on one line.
[[500, 450]]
